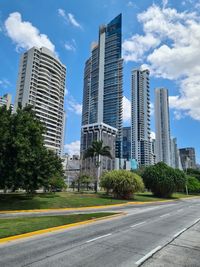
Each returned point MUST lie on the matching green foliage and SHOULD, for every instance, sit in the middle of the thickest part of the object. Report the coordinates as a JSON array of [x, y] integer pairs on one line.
[[122, 183], [163, 180], [83, 181], [95, 151], [194, 172], [24, 161], [193, 184]]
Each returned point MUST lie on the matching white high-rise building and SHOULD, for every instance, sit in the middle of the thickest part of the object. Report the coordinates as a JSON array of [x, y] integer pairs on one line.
[[140, 117], [162, 126], [41, 83]]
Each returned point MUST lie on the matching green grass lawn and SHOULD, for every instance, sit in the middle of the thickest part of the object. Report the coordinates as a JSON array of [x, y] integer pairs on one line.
[[16, 226], [66, 200]]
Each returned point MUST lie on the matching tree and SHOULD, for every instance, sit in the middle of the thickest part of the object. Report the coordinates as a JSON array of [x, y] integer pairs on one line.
[[24, 161], [95, 151], [5, 148], [193, 184], [122, 183], [163, 180], [194, 172]]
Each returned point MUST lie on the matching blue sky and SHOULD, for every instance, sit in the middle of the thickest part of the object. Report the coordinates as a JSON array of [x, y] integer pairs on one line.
[[161, 35]]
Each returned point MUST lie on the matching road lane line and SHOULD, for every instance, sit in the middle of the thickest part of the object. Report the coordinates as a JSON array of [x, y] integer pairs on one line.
[[165, 215], [196, 221], [137, 224], [96, 238], [180, 232], [148, 255], [179, 210]]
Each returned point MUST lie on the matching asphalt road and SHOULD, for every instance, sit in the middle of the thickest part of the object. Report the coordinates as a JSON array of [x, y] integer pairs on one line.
[[124, 241]]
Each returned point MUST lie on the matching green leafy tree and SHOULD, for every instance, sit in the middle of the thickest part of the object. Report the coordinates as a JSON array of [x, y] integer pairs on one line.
[[163, 180], [24, 161], [5, 148], [193, 184], [122, 183], [194, 172], [95, 151]]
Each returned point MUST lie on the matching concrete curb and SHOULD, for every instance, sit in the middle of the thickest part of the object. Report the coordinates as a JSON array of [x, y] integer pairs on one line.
[[56, 228]]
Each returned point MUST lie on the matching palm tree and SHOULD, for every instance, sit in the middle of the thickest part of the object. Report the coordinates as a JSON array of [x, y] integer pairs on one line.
[[95, 151]]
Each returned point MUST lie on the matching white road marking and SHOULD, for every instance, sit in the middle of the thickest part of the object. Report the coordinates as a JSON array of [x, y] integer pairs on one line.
[[179, 210], [148, 255], [197, 220], [132, 226], [94, 239], [180, 232], [165, 215]]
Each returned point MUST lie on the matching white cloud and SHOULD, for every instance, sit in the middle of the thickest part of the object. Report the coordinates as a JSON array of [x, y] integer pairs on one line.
[[69, 18], [153, 135], [73, 106], [24, 34], [70, 46], [130, 4], [164, 2], [126, 110], [172, 52], [5, 83], [73, 148], [151, 109]]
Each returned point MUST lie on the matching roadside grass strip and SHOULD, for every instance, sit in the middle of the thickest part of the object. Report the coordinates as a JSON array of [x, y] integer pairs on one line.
[[15, 228]]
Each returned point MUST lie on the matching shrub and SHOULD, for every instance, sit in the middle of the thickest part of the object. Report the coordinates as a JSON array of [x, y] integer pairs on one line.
[[163, 180], [193, 184], [194, 172], [121, 183]]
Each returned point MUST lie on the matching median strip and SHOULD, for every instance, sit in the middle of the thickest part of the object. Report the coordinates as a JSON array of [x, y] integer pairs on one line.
[[83, 220]]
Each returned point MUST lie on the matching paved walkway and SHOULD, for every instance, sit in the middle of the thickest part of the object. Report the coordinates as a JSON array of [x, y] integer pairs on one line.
[[184, 251]]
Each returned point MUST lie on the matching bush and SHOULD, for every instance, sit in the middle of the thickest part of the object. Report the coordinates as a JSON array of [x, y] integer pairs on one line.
[[163, 180], [195, 173], [193, 184], [121, 183]]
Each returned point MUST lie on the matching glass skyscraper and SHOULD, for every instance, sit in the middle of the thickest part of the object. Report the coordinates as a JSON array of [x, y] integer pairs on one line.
[[103, 93]]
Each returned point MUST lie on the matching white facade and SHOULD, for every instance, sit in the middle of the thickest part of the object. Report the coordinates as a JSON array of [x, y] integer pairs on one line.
[[41, 83], [162, 126], [140, 117], [5, 100]]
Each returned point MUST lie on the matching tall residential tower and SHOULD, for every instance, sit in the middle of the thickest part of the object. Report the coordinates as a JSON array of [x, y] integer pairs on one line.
[[102, 93], [140, 117], [41, 83], [162, 126]]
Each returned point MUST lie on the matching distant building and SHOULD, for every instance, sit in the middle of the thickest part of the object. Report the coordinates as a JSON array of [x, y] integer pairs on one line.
[[102, 92], [153, 151], [41, 83], [162, 126], [188, 158], [126, 144], [140, 117], [5, 100], [71, 166], [97, 132], [175, 155]]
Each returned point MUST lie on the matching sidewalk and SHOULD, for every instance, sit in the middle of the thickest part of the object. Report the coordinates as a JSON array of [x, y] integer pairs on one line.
[[184, 251]]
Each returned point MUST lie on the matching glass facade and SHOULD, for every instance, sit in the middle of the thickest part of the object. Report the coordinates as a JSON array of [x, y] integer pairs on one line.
[[103, 93]]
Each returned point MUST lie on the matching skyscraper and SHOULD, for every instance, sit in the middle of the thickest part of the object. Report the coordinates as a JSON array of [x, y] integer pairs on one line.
[[188, 157], [126, 143], [140, 117], [41, 83], [5, 100], [162, 126], [102, 93]]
